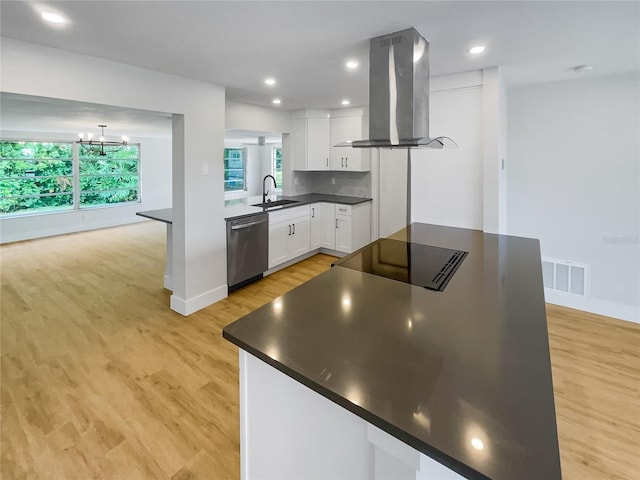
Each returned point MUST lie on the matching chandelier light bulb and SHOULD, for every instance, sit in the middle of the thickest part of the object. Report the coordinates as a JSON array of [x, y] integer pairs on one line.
[[98, 147]]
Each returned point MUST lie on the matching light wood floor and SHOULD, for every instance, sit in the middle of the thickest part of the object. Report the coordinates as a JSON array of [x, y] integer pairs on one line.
[[101, 380]]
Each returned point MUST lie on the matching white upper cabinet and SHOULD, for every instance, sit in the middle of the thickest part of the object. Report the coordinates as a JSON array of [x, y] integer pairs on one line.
[[310, 140], [315, 132], [346, 129]]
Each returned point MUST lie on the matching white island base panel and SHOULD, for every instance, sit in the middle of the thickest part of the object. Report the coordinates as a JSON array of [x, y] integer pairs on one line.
[[288, 431]]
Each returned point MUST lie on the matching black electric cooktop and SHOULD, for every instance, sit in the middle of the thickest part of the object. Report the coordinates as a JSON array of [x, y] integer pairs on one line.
[[423, 265]]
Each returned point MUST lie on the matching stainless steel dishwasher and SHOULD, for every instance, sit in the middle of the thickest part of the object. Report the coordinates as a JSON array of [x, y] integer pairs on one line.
[[247, 249]]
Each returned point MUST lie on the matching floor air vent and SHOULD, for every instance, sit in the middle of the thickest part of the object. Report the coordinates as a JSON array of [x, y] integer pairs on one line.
[[565, 277]]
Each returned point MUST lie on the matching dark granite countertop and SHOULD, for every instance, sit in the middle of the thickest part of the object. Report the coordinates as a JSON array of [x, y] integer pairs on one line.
[[321, 197], [162, 215], [243, 207], [462, 375]]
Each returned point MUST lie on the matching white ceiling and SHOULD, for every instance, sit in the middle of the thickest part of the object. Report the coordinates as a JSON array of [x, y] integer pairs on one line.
[[27, 113], [304, 44]]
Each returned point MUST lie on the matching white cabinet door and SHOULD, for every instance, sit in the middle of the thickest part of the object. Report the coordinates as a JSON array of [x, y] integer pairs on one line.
[[360, 225], [317, 144], [299, 143], [343, 233], [329, 226], [344, 129], [299, 238], [279, 252], [315, 227]]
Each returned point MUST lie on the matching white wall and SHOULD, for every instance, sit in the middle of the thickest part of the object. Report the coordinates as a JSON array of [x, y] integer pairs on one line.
[[155, 192], [199, 243], [392, 188], [447, 185], [241, 116], [574, 182]]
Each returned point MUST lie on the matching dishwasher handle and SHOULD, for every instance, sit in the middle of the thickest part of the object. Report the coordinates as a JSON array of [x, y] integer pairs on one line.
[[246, 225]]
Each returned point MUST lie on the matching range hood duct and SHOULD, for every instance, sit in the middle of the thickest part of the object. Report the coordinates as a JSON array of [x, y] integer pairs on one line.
[[399, 93]]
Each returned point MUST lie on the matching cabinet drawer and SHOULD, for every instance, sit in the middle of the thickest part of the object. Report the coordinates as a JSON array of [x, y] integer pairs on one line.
[[288, 213], [343, 209]]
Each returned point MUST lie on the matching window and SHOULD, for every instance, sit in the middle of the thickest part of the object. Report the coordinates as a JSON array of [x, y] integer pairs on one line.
[[234, 170], [109, 179], [39, 177], [35, 177], [276, 165]]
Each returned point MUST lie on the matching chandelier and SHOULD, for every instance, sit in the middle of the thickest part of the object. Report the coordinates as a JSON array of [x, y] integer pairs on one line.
[[97, 146]]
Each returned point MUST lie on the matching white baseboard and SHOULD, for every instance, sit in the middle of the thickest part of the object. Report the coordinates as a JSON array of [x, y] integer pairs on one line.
[[621, 311], [32, 234], [192, 305]]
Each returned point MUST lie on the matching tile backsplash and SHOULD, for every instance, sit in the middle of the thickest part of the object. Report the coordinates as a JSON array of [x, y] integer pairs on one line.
[[353, 184]]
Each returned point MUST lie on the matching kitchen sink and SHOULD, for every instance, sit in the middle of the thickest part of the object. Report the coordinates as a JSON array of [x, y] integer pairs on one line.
[[275, 204]]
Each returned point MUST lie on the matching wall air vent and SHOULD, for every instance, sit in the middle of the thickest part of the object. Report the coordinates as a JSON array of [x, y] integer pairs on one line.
[[387, 42], [563, 276]]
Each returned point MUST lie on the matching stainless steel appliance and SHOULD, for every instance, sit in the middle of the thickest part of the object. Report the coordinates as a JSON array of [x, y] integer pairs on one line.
[[399, 93], [247, 249]]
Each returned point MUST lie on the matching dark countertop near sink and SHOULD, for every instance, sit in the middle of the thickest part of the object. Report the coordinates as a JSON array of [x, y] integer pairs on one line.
[[243, 207], [434, 369], [321, 197]]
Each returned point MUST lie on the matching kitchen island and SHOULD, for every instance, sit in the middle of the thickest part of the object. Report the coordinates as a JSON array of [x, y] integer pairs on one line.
[[353, 375]]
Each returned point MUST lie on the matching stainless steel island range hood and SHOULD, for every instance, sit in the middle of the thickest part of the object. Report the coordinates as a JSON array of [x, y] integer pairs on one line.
[[399, 93]]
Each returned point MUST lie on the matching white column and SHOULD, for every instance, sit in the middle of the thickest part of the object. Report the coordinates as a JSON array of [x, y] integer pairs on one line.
[[494, 151]]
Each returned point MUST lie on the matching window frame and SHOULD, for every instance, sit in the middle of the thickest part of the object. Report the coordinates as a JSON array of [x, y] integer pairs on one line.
[[274, 169], [103, 205], [244, 170], [75, 181]]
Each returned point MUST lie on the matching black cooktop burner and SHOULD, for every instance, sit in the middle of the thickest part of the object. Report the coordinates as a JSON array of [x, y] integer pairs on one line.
[[423, 265]]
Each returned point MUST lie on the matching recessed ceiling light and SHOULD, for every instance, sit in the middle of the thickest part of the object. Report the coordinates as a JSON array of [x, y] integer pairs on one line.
[[346, 102], [476, 50], [477, 443], [53, 17], [583, 68], [270, 81], [352, 64], [277, 101]]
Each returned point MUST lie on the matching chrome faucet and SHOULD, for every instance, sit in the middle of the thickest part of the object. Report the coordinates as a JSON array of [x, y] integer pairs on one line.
[[264, 187]]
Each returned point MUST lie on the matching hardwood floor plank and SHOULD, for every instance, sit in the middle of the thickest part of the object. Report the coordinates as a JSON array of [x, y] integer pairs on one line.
[[100, 379]]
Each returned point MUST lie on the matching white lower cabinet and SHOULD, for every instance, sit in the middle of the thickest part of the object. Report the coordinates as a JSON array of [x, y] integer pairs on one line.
[[315, 226], [299, 230], [289, 234], [329, 226], [346, 228], [343, 233]]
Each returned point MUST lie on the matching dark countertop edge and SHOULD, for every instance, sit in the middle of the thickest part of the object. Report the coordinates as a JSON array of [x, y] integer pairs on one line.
[[154, 215], [324, 198], [367, 416]]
